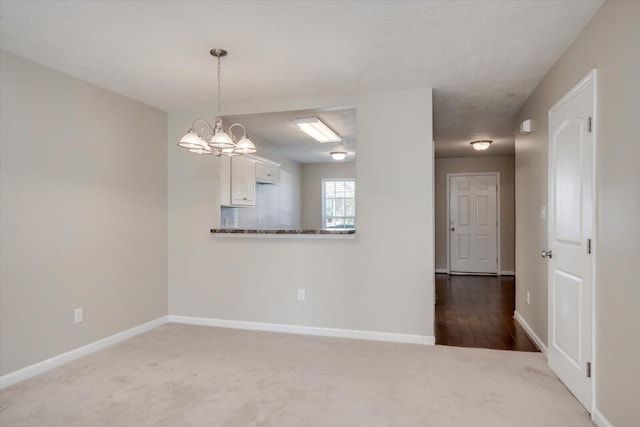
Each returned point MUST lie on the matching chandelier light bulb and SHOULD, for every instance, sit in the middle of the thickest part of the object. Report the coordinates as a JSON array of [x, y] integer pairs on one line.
[[202, 150], [245, 146], [191, 140], [221, 140]]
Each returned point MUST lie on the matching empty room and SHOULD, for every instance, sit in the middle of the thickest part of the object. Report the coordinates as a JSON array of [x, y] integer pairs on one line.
[[319, 213]]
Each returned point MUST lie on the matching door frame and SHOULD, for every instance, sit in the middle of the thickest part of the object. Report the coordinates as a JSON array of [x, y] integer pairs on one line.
[[499, 225], [592, 76]]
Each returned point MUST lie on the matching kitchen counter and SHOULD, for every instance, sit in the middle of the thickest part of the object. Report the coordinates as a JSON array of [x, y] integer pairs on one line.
[[247, 231], [281, 233]]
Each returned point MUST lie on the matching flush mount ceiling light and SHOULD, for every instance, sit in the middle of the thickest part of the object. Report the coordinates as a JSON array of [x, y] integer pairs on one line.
[[316, 129], [203, 138], [481, 145], [338, 155]]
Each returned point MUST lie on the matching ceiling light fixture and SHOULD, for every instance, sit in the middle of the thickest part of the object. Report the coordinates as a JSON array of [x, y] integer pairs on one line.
[[203, 138], [316, 129], [481, 145], [339, 155]]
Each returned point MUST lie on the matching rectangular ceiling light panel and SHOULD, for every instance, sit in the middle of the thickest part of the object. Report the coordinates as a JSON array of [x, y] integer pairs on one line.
[[316, 129]]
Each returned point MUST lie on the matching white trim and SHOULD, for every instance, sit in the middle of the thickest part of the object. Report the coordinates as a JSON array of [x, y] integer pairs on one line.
[[448, 239], [498, 217], [441, 271], [305, 330], [594, 248], [324, 200], [53, 362], [464, 273], [433, 227], [263, 160], [507, 273], [599, 419], [529, 331]]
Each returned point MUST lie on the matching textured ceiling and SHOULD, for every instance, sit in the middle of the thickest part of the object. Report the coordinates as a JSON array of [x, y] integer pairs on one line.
[[483, 58], [276, 132]]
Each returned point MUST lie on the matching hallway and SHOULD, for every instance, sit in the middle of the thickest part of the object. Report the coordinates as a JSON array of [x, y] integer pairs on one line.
[[477, 311]]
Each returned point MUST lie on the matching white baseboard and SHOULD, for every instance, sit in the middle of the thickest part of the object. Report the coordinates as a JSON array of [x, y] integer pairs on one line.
[[40, 367], [502, 273], [536, 339], [53, 362], [600, 419], [305, 330]]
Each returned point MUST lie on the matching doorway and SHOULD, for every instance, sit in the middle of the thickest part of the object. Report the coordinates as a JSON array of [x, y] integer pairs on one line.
[[473, 202], [475, 284]]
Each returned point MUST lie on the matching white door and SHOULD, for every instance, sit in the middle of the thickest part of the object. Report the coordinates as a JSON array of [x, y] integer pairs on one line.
[[571, 224], [473, 223]]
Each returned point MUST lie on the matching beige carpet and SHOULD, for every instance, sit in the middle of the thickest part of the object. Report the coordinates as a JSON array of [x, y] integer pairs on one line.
[[180, 375]]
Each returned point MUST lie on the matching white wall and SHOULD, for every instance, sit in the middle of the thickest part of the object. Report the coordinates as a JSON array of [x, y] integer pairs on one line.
[[610, 43], [83, 213], [380, 281], [312, 175], [502, 164]]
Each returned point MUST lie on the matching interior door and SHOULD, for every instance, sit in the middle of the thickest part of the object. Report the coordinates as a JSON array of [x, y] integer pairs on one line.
[[473, 224], [571, 225]]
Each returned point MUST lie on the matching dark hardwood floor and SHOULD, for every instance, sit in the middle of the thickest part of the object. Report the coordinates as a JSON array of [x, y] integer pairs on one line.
[[477, 311]]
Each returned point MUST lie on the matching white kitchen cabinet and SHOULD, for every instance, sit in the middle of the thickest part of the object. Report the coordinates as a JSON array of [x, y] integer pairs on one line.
[[237, 181], [286, 200], [267, 173]]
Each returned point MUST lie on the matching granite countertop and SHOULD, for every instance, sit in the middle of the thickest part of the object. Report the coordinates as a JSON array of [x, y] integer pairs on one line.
[[247, 231]]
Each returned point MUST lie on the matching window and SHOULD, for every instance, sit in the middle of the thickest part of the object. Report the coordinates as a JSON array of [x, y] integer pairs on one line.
[[338, 204]]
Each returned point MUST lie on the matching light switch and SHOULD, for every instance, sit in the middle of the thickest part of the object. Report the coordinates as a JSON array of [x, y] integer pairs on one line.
[[543, 213], [78, 315]]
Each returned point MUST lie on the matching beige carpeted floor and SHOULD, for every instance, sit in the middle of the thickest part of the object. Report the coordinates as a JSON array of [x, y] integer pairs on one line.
[[180, 375]]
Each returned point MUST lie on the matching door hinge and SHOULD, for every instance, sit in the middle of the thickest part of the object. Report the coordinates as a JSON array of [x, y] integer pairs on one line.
[[588, 246], [589, 124], [588, 369]]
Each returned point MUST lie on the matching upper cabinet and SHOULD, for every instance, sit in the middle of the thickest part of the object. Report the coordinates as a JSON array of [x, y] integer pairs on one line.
[[267, 173], [243, 181], [238, 177], [238, 181]]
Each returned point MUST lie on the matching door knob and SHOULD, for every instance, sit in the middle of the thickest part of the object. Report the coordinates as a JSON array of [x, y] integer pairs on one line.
[[453, 229], [547, 253]]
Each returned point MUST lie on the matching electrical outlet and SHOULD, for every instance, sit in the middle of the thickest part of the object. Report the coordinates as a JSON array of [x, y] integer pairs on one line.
[[528, 298], [301, 295], [77, 315]]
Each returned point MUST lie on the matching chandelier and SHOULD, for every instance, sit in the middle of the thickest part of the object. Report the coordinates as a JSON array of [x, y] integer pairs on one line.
[[204, 138]]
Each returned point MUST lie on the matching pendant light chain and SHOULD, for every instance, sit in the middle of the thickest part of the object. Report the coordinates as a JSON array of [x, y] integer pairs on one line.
[[219, 87]]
